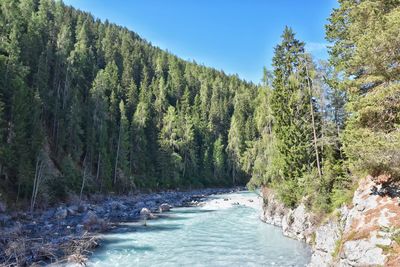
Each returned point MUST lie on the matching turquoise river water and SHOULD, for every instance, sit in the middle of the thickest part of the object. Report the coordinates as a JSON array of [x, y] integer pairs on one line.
[[226, 231]]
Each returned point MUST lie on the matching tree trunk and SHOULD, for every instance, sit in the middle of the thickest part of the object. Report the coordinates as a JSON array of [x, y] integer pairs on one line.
[[83, 179], [313, 124], [98, 167], [36, 182], [116, 157]]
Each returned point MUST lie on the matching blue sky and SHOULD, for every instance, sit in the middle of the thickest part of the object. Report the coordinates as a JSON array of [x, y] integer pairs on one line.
[[237, 36]]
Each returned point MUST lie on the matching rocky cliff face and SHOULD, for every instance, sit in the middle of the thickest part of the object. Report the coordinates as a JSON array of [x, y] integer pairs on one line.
[[365, 233]]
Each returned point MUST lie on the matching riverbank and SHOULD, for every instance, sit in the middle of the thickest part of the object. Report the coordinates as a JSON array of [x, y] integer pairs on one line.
[[68, 232], [365, 232]]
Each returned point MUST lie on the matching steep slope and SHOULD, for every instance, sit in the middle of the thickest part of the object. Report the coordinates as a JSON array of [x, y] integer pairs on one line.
[[115, 113]]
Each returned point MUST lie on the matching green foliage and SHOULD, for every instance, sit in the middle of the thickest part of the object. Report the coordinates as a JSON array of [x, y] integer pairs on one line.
[[372, 137], [219, 158], [71, 174], [109, 105], [365, 36], [290, 105]]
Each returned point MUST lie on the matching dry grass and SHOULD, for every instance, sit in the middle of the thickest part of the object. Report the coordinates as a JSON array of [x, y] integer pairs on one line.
[[78, 249], [16, 249]]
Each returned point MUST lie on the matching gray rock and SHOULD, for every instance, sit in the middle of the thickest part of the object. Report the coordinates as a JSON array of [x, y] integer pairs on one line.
[[3, 207], [90, 218], [115, 205], [273, 210], [165, 207], [99, 209], [61, 213], [72, 210], [362, 253], [145, 213], [297, 223], [79, 228], [326, 237], [4, 219], [83, 207]]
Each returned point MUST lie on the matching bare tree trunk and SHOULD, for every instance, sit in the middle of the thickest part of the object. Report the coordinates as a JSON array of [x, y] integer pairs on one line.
[[36, 182], [184, 166], [83, 179], [34, 186], [18, 191], [313, 124], [324, 119], [98, 167], [55, 113], [116, 158], [233, 174]]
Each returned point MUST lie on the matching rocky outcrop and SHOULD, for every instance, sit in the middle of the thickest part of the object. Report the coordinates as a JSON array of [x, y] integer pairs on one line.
[[273, 209], [361, 234], [326, 237], [296, 223], [370, 227]]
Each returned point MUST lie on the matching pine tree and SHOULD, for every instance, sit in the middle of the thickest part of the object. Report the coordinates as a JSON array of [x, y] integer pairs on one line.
[[365, 36]]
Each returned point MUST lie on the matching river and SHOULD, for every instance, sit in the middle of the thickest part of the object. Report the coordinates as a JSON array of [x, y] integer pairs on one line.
[[224, 231]]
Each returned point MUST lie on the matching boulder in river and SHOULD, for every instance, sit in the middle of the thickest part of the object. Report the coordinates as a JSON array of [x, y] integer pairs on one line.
[[145, 213], [165, 207]]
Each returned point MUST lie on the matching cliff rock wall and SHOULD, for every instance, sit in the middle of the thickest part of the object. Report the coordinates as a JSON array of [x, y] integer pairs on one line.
[[364, 233]]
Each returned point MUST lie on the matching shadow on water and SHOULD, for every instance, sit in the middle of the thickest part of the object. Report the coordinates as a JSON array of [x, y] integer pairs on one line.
[[121, 245], [172, 217], [194, 210], [128, 228], [126, 246]]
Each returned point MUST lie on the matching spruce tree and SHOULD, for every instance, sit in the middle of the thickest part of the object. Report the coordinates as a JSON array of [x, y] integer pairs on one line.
[[290, 104]]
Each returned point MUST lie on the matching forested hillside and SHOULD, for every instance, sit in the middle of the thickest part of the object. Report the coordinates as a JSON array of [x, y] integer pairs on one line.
[[89, 107]]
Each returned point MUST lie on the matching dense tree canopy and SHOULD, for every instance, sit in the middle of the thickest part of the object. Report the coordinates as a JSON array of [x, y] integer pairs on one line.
[[104, 110]]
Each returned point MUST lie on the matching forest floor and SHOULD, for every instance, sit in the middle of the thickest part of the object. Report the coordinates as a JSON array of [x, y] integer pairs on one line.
[[68, 233]]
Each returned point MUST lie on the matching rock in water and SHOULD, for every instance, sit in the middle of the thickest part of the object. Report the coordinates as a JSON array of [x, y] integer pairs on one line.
[[165, 207], [145, 213]]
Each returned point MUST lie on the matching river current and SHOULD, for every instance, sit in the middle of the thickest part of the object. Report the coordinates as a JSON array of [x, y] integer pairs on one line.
[[225, 231]]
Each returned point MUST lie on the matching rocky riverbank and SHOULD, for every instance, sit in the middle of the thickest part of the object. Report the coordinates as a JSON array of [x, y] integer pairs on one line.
[[364, 233], [68, 232]]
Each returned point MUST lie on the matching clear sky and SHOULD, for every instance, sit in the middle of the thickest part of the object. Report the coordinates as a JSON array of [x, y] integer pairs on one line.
[[237, 36]]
